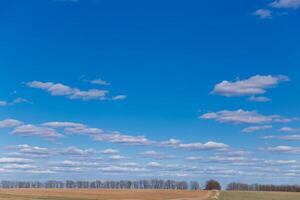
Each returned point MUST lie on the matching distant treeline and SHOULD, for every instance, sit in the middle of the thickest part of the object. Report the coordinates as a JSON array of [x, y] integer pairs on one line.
[[123, 184], [260, 187]]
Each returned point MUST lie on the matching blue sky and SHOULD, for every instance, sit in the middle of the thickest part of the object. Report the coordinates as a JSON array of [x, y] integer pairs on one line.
[[136, 89]]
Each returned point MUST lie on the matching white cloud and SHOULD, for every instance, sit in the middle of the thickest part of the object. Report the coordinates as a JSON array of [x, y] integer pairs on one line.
[[14, 160], [74, 151], [8, 123], [244, 116], [194, 158], [156, 155], [284, 137], [256, 128], [19, 166], [32, 130], [204, 146], [116, 157], [3, 103], [123, 139], [254, 85], [154, 165], [263, 13], [119, 97], [62, 124], [289, 129], [117, 169], [109, 151], [25, 150], [99, 81], [59, 89], [14, 102], [280, 162], [284, 149], [293, 4], [259, 99]]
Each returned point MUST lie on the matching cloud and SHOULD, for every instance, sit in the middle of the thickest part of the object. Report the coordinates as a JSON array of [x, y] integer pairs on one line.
[[194, 158], [58, 89], [8, 123], [74, 151], [289, 129], [293, 4], [117, 169], [254, 85], [280, 162], [204, 146], [62, 124], [99, 81], [32, 130], [116, 157], [119, 97], [256, 128], [3, 103], [263, 13], [109, 151], [259, 99], [25, 150], [284, 137], [156, 155], [243, 116], [14, 102], [14, 160], [154, 165], [284, 149], [123, 139]]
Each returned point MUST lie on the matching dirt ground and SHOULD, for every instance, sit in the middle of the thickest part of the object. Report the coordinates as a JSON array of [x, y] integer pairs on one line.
[[94, 194]]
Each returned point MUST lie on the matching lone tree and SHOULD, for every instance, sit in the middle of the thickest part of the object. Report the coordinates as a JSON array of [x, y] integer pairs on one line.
[[212, 185]]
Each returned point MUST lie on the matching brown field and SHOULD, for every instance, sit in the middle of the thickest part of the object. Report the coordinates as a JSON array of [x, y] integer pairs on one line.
[[91, 194]]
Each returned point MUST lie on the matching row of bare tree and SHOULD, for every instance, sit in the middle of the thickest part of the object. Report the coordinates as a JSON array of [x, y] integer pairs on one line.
[[123, 184], [260, 187]]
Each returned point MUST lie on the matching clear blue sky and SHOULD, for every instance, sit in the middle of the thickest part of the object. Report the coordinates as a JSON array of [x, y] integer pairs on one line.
[[219, 78]]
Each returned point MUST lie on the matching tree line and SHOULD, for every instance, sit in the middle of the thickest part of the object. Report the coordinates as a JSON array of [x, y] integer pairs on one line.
[[122, 184], [262, 187]]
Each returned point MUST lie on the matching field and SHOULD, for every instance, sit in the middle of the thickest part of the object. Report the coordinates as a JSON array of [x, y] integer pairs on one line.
[[90, 194], [259, 196]]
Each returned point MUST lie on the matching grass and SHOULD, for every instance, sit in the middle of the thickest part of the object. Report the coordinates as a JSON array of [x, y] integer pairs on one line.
[[259, 196], [92, 194]]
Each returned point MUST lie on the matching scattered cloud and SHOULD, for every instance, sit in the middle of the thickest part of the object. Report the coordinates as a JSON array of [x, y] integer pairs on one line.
[[154, 165], [284, 149], [119, 97], [259, 99], [14, 160], [62, 124], [8, 123], [204, 146], [110, 151], [244, 116], [254, 85], [263, 13], [291, 4], [283, 137], [116, 157], [194, 158], [256, 128], [14, 102], [32, 130], [99, 81], [156, 155], [289, 129], [3, 103]]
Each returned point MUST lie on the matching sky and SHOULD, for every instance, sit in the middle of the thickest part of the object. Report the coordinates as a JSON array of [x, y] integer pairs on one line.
[[98, 89]]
